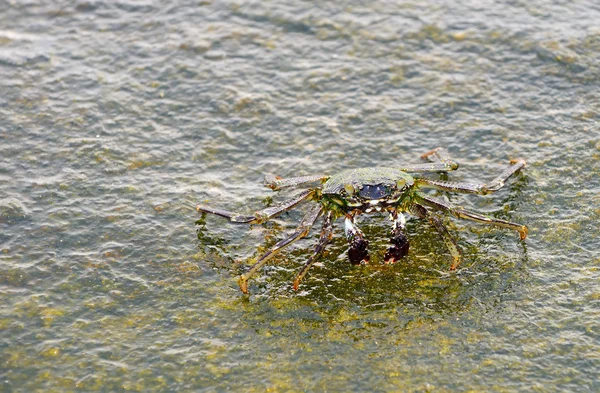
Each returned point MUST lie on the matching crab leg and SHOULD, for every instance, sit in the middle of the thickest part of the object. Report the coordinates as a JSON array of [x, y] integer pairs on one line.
[[441, 156], [475, 188], [442, 163], [450, 242], [326, 233], [276, 183], [459, 212], [358, 244], [261, 215], [399, 247], [302, 230], [430, 167]]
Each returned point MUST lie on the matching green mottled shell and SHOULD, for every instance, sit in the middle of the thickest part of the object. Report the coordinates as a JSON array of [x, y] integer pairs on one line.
[[365, 176]]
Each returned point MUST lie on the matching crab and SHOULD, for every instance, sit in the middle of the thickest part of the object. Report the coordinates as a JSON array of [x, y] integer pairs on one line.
[[396, 190]]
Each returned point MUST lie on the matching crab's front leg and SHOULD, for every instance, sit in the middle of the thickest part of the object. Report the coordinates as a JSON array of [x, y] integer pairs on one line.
[[399, 247], [358, 244], [277, 183], [261, 215]]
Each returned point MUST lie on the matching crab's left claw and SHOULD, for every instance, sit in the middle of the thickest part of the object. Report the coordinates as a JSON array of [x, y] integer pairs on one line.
[[398, 249]]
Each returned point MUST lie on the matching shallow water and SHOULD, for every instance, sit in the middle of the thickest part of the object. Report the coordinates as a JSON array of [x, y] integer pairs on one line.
[[117, 118]]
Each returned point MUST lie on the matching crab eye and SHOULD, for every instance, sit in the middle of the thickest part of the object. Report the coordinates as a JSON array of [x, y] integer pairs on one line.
[[349, 189], [400, 183]]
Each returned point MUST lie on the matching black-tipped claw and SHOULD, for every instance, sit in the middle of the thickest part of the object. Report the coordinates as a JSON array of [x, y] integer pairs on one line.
[[358, 252], [398, 249]]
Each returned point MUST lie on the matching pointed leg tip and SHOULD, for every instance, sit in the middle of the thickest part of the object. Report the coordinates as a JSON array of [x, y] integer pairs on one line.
[[455, 263], [243, 283], [270, 181], [296, 285], [430, 152], [523, 232]]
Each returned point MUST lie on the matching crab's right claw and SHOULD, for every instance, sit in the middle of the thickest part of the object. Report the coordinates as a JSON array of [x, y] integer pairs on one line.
[[358, 252]]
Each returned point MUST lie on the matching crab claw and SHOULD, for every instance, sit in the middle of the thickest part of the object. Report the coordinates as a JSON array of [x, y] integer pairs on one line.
[[358, 252], [398, 249], [358, 244]]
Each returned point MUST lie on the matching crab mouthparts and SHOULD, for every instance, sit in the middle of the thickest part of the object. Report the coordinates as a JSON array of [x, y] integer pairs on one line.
[[377, 204]]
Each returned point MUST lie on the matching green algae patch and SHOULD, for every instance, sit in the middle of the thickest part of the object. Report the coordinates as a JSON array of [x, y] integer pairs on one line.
[[141, 164], [51, 352], [49, 315]]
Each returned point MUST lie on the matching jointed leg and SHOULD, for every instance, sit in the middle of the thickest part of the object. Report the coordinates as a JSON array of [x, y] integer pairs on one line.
[[302, 230], [277, 183], [399, 247], [440, 155], [430, 167], [459, 212], [261, 215], [326, 233], [475, 188], [498, 182], [422, 212], [358, 244], [441, 163]]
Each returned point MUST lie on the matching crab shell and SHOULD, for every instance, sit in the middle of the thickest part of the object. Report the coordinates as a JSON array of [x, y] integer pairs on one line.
[[365, 187]]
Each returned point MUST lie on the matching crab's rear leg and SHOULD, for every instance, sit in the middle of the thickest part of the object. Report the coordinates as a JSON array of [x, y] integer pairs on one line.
[[399, 247], [261, 215], [302, 230], [439, 155], [421, 212], [326, 234], [277, 183], [430, 167], [440, 163], [356, 238], [475, 188], [459, 212]]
